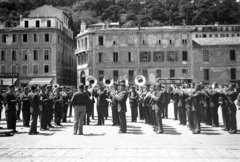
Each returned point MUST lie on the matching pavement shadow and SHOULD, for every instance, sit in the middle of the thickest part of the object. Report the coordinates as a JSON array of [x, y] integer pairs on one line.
[[209, 131], [94, 134], [170, 130], [134, 130]]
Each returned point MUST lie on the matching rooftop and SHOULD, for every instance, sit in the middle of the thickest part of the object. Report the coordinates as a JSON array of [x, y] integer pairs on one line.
[[217, 41]]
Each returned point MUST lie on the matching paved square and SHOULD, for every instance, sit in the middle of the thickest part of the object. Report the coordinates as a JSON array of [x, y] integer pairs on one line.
[[103, 143]]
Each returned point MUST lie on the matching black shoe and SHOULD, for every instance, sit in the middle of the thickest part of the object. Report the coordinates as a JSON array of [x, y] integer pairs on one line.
[[233, 132], [15, 131]]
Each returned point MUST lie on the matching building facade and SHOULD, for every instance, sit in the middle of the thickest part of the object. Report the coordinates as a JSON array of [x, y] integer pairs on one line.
[[216, 52], [159, 52], [40, 49]]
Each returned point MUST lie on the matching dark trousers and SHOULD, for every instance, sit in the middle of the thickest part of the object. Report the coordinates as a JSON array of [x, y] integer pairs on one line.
[[147, 114], [215, 116], [43, 117], [33, 127], [196, 121], [154, 122], [175, 111], [18, 112], [11, 120], [190, 119], [57, 115], [233, 120], [134, 112], [49, 115], [165, 110], [92, 111], [123, 122], [115, 115], [182, 115], [65, 110], [70, 110], [140, 107], [106, 111], [209, 116], [100, 110], [159, 119], [87, 115], [225, 116], [26, 116]]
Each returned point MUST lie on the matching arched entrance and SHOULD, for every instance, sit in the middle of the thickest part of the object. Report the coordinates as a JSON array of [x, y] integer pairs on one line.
[[83, 78]]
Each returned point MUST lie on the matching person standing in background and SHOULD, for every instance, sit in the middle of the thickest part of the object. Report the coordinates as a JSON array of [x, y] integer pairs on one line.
[[25, 107]]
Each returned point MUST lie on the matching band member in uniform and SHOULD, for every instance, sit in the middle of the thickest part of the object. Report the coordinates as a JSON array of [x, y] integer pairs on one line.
[[1, 105], [44, 110], [25, 107], [10, 102], [88, 106], [207, 119], [64, 104], [158, 106], [175, 99], [146, 100], [214, 96], [196, 97], [231, 97], [189, 109], [133, 101], [101, 96], [223, 105], [121, 98], [166, 102], [50, 96], [181, 106], [140, 102], [57, 106], [18, 93], [114, 104], [34, 100]]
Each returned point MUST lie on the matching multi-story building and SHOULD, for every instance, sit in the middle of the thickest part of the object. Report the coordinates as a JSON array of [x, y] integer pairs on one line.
[[156, 52], [40, 50], [216, 53]]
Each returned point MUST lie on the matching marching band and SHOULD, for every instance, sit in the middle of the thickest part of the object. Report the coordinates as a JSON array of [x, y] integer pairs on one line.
[[193, 104]]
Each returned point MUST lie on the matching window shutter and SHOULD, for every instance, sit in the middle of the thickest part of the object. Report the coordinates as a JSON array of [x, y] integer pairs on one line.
[[176, 55], [132, 56], [168, 55], [97, 57], [149, 56], [104, 40], [97, 43], [116, 39], [104, 57], [155, 56], [119, 57], [112, 57], [162, 53]]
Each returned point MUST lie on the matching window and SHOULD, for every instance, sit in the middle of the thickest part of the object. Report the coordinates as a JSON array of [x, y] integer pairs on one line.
[[145, 56], [210, 35], [222, 35], [25, 38], [100, 57], [206, 74], [196, 35], [46, 37], [171, 39], [205, 56], [26, 24], [233, 35], [232, 55], [35, 69], [227, 35], [115, 75], [216, 35], [158, 56], [158, 73], [24, 69], [184, 55], [145, 74], [159, 39], [184, 38], [46, 69], [144, 39], [185, 72], [100, 40], [172, 73], [130, 57], [233, 73], [14, 69], [130, 39], [172, 56], [46, 54], [204, 36], [3, 55], [14, 38], [131, 76], [115, 57], [35, 54], [37, 23], [14, 55], [48, 23], [4, 38], [115, 40], [100, 75], [238, 35], [3, 69], [25, 54], [35, 38]]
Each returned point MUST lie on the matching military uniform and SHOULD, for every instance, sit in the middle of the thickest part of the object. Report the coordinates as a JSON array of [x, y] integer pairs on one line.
[[133, 101], [25, 104]]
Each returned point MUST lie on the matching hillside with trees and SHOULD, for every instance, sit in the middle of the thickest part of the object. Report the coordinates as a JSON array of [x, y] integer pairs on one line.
[[131, 13]]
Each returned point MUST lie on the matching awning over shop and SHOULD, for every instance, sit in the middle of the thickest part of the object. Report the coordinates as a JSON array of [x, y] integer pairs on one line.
[[40, 81], [8, 81]]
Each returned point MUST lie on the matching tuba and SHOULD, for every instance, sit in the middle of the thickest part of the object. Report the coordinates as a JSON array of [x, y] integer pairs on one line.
[[140, 80], [107, 81], [123, 79], [55, 86], [91, 80]]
